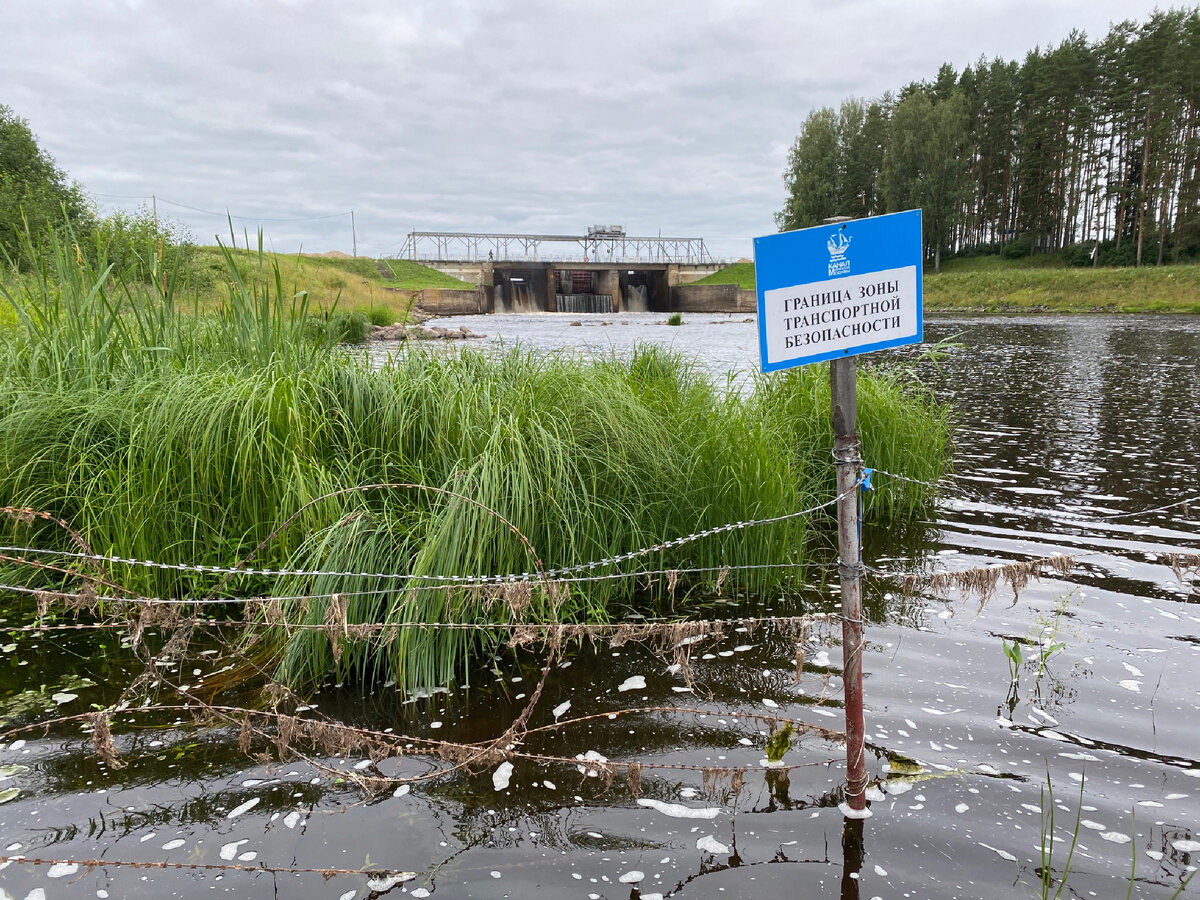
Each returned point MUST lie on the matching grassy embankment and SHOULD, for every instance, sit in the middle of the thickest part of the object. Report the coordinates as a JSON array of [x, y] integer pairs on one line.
[[349, 285], [356, 285], [1039, 284], [191, 438], [741, 274]]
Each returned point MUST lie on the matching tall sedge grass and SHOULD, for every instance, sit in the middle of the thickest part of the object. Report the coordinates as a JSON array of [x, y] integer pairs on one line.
[[190, 439]]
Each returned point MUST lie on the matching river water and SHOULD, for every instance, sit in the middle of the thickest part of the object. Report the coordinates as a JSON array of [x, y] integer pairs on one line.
[[1072, 432]]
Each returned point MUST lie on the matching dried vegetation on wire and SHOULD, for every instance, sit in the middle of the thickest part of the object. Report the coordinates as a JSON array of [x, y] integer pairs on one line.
[[187, 439]]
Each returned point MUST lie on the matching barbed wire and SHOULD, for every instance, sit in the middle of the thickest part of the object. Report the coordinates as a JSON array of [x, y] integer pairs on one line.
[[330, 872], [565, 574], [474, 756], [565, 629], [561, 574]]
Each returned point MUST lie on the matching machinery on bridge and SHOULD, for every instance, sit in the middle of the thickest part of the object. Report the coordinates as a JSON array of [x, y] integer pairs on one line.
[[601, 243]]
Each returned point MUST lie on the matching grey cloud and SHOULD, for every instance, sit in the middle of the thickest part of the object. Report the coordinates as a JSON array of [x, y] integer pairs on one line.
[[538, 116]]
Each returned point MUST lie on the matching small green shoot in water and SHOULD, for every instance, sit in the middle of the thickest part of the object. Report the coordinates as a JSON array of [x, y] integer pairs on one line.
[[779, 743], [1012, 650]]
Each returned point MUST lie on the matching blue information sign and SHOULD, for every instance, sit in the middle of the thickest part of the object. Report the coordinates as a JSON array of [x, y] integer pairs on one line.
[[838, 290]]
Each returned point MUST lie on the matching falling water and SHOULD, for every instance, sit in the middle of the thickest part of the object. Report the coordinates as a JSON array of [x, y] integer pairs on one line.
[[584, 303], [635, 299]]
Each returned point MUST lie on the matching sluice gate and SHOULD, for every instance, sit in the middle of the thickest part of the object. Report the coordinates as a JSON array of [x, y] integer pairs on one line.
[[584, 303]]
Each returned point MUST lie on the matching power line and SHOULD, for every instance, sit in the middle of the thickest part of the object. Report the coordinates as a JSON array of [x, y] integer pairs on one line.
[[228, 215], [224, 215]]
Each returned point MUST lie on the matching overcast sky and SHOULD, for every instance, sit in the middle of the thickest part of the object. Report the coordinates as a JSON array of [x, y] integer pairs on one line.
[[546, 117]]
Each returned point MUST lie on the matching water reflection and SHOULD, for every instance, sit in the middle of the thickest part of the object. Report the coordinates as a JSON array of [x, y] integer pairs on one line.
[[1062, 421]]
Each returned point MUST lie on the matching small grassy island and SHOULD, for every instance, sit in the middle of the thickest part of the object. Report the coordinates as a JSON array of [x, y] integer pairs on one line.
[[233, 428]]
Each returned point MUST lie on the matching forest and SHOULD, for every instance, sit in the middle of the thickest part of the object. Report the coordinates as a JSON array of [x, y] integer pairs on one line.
[[1090, 148]]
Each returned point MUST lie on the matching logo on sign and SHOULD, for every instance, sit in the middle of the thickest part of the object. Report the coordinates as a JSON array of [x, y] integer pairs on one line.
[[838, 244]]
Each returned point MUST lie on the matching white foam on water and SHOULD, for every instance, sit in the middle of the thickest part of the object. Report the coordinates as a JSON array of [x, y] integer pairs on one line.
[[1003, 854], [245, 807], [846, 810], [1116, 837], [502, 775], [62, 869], [229, 851], [590, 756], [632, 877], [174, 845], [709, 844], [633, 683], [678, 811], [390, 881], [561, 708]]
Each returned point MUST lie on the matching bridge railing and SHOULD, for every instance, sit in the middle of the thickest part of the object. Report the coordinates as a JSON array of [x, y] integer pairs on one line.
[[446, 246]]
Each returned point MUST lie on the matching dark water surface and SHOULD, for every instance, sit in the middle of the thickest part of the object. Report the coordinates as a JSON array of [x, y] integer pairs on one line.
[[1064, 424]]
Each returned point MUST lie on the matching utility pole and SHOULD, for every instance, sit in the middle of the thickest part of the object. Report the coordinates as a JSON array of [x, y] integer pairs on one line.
[[843, 396], [353, 233], [844, 401]]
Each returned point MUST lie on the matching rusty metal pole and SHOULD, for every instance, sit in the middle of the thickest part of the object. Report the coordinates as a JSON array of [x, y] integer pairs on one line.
[[846, 456]]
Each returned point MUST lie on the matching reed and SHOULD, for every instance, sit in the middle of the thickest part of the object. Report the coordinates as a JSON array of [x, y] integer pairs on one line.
[[192, 438]]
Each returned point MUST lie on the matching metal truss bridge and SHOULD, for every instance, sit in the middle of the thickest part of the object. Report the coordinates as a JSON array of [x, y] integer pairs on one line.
[[601, 244]]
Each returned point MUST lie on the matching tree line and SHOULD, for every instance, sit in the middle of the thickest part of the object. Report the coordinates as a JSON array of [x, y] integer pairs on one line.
[[37, 198], [1091, 148]]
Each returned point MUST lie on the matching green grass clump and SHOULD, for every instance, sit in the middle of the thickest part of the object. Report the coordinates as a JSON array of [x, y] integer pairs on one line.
[[412, 276], [194, 438], [740, 273]]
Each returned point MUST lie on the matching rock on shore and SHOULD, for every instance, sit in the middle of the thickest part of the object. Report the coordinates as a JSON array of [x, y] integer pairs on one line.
[[402, 332]]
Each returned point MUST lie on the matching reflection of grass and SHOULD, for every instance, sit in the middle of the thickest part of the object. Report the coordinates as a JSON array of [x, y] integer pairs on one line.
[[1046, 870]]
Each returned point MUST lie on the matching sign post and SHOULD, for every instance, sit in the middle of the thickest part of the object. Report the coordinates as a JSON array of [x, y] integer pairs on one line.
[[829, 293]]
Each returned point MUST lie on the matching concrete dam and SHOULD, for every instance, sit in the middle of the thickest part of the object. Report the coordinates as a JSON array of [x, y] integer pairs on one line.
[[603, 271]]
